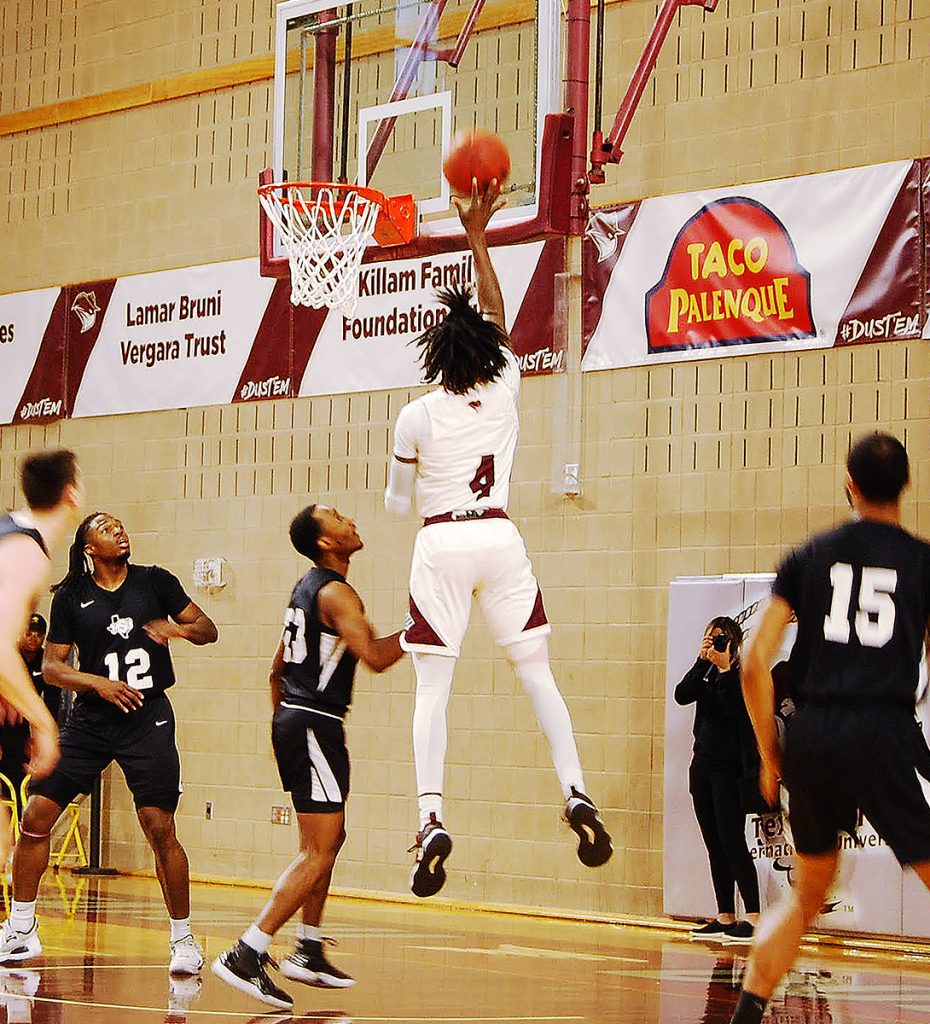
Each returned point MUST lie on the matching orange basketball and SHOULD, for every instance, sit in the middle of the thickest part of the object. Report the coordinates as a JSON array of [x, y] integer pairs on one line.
[[480, 155]]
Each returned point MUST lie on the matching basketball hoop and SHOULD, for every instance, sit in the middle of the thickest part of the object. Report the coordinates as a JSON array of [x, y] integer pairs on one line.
[[325, 228]]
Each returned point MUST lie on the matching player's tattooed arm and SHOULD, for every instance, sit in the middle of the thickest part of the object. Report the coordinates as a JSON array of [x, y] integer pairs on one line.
[[341, 609], [57, 671], [193, 624], [474, 218], [276, 675]]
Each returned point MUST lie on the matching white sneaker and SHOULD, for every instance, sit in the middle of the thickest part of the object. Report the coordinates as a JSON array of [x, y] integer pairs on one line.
[[186, 956], [16, 945]]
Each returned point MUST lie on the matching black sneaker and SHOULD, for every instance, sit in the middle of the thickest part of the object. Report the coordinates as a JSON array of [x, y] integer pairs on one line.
[[712, 931], [741, 932], [244, 969], [594, 845], [308, 964], [433, 846]]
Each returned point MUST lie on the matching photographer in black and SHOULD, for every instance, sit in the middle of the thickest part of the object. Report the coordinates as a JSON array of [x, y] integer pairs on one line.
[[724, 777]]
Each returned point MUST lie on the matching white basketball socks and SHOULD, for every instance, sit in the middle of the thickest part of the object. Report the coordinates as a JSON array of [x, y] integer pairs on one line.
[[434, 684], [530, 660], [23, 915], [256, 939]]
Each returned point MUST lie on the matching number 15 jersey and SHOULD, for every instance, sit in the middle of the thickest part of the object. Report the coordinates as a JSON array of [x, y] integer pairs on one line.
[[463, 444], [106, 627], [861, 594]]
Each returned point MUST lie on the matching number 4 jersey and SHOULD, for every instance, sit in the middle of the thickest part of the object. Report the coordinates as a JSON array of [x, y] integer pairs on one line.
[[463, 444], [106, 627], [861, 594]]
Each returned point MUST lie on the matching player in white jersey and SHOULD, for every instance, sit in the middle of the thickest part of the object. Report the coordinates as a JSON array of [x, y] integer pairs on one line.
[[453, 453]]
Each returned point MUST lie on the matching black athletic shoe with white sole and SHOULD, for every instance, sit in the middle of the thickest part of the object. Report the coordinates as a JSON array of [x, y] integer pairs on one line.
[[433, 846], [594, 845], [308, 964], [244, 969]]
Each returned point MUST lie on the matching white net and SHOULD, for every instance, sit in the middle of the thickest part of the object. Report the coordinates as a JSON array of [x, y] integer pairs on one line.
[[324, 231]]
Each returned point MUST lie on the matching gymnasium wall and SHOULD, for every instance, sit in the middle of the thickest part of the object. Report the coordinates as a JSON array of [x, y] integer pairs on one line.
[[687, 469]]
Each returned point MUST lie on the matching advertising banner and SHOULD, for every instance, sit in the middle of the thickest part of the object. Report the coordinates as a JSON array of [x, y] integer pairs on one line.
[[769, 266], [869, 892], [173, 339], [373, 348], [221, 333], [32, 332]]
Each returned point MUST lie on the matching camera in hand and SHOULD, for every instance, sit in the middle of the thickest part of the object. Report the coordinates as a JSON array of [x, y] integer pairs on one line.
[[720, 642]]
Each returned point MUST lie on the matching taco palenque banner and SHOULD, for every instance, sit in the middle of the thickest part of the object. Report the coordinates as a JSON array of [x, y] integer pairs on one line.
[[811, 262], [221, 333]]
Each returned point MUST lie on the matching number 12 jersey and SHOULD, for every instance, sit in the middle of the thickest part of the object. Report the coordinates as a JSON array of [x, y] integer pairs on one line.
[[106, 627]]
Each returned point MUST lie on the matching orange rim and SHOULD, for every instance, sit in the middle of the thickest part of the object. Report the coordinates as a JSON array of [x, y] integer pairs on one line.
[[283, 187]]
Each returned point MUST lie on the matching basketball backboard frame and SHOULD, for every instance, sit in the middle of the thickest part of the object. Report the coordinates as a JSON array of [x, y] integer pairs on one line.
[[538, 217]]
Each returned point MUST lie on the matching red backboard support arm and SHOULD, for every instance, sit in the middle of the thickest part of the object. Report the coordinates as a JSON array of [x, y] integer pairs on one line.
[[608, 151]]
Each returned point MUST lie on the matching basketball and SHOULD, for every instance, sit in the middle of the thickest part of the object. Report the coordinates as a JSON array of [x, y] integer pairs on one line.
[[480, 155]]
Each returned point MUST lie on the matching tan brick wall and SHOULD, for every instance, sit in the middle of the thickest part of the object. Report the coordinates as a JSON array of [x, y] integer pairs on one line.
[[692, 468]]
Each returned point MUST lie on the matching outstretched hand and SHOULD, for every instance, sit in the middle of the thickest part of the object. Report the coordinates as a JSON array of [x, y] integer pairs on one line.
[[482, 206]]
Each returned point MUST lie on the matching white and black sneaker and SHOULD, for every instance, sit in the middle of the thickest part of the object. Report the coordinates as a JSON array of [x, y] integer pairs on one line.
[[433, 846], [16, 945], [244, 969], [186, 957], [594, 845], [308, 964]]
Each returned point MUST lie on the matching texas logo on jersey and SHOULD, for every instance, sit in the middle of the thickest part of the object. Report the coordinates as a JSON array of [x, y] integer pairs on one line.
[[120, 627]]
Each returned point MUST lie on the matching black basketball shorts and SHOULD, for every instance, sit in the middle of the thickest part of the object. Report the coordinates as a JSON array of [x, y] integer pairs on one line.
[[313, 760], [142, 743], [839, 761]]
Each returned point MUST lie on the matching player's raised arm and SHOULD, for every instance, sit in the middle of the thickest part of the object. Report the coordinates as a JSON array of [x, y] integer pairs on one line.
[[474, 218], [341, 610]]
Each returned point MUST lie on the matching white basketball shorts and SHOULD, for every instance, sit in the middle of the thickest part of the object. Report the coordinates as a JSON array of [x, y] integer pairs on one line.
[[484, 558]]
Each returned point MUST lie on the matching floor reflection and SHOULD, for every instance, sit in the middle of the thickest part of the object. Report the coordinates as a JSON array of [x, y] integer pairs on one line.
[[106, 954]]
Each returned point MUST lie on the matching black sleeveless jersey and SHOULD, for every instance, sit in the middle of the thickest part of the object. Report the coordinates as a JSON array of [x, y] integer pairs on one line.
[[106, 627], [861, 594], [319, 669], [9, 526]]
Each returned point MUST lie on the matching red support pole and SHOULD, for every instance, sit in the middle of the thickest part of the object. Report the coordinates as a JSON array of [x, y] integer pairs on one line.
[[324, 99], [576, 103]]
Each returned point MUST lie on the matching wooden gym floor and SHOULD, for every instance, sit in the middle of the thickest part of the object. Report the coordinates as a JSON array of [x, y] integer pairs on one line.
[[105, 962]]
